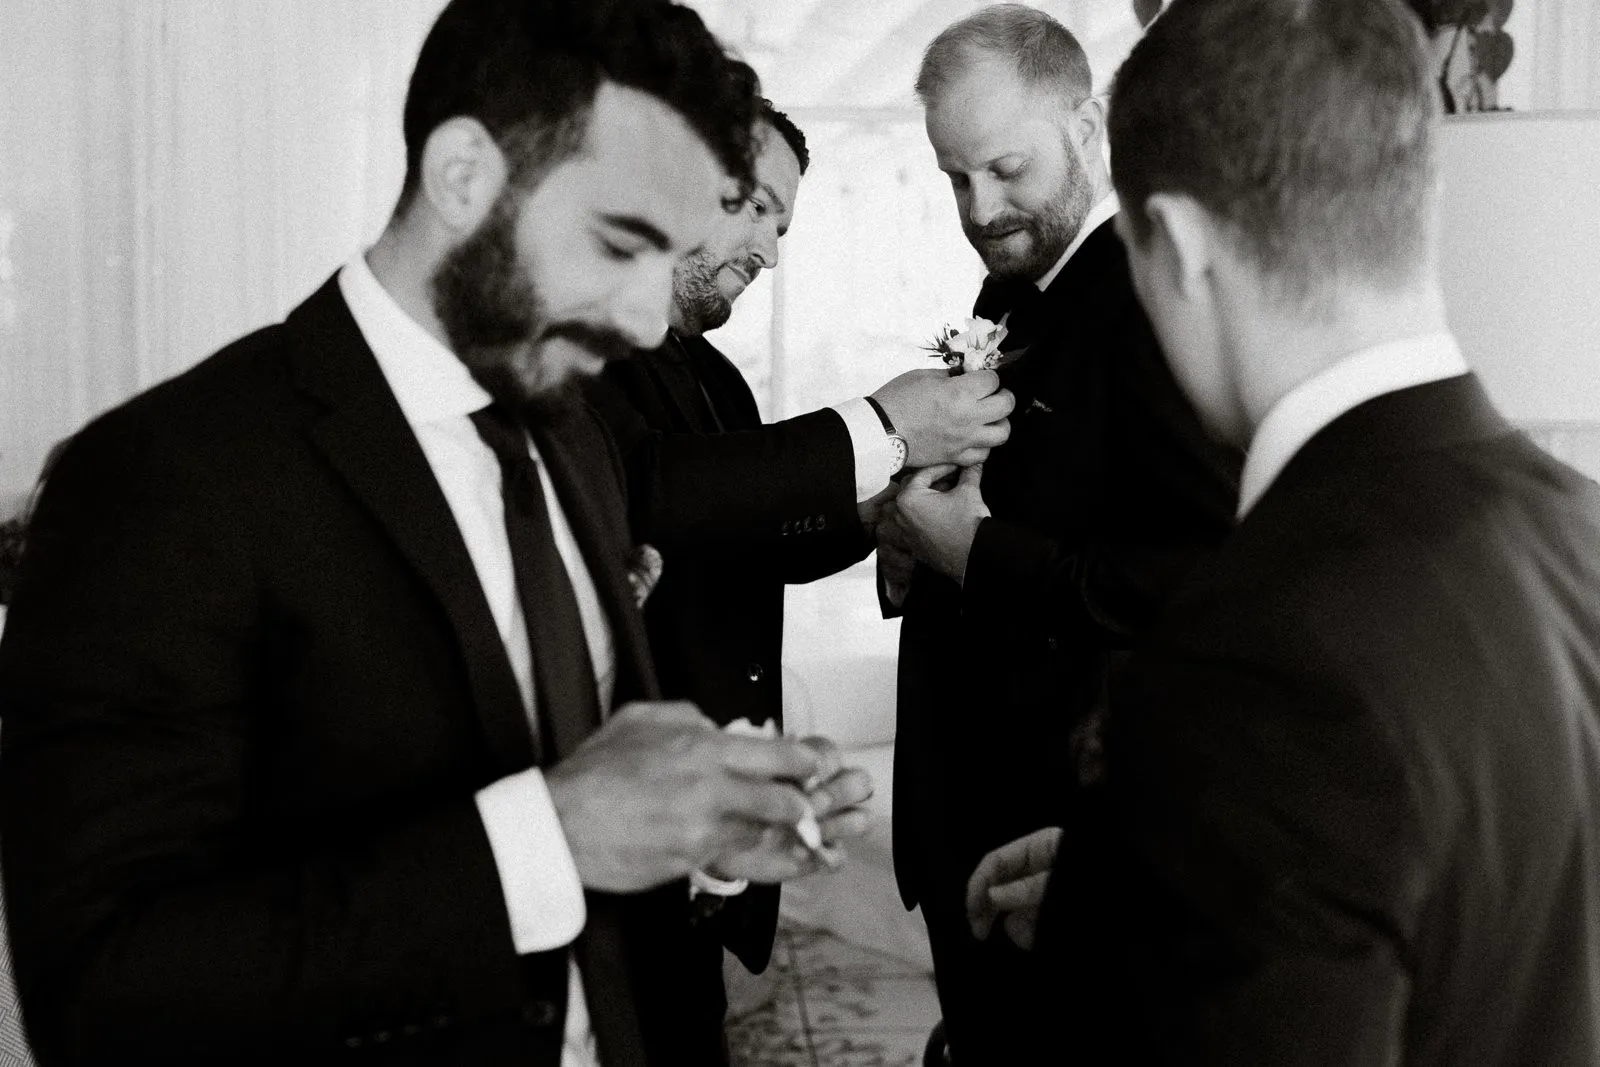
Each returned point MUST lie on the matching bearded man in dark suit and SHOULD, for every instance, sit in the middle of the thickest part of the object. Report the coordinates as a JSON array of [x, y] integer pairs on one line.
[[1349, 811], [330, 725], [1045, 563], [739, 509]]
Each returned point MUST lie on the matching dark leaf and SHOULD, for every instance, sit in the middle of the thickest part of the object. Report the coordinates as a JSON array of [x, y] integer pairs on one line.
[[1494, 52]]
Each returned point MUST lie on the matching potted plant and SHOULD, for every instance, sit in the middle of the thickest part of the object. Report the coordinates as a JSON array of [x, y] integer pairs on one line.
[[1471, 47]]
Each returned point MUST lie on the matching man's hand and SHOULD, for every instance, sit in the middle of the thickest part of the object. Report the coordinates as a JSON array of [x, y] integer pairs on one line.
[[895, 562], [1010, 883], [871, 511], [659, 791], [937, 528], [779, 855], [947, 420]]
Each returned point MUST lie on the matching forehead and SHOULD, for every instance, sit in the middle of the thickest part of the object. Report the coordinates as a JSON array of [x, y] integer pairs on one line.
[[640, 160], [986, 112]]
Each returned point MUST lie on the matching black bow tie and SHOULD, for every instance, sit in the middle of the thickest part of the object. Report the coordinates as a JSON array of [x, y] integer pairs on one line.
[[1020, 299]]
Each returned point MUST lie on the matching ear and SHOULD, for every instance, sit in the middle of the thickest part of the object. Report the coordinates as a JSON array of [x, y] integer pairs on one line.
[[1183, 239], [1089, 125], [463, 173]]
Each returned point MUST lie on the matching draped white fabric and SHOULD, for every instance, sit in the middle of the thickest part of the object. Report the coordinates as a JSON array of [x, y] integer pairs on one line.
[[174, 174], [177, 172]]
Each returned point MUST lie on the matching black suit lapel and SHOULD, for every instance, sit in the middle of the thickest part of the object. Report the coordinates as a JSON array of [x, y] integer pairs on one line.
[[366, 439], [725, 388], [673, 371], [577, 471]]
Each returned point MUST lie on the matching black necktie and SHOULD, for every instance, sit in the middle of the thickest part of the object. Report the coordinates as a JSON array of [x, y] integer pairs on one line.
[[567, 702]]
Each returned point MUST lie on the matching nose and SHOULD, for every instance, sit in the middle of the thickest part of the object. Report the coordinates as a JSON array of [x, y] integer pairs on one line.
[[765, 249], [637, 310], [984, 202]]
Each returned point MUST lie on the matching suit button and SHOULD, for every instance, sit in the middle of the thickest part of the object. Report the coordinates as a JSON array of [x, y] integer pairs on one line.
[[785, 529], [381, 1037], [806, 526], [822, 522], [411, 1030], [755, 673], [1052, 644], [439, 1022], [539, 1013], [354, 1042]]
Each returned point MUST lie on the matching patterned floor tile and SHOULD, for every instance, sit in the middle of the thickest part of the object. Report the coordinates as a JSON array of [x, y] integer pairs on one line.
[[817, 952], [860, 1002], [774, 1036], [868, 1048]]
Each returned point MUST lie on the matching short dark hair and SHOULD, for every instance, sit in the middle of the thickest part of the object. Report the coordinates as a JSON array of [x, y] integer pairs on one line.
[[1306, 124], [1044, 53], [788, 131], [529, 69]]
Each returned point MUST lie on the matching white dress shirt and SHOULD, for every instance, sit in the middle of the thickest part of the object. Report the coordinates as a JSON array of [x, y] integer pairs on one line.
[[437, 395], [1308, 408]]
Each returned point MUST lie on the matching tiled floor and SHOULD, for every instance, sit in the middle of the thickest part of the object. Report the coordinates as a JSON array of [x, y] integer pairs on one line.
[[837, 1005]]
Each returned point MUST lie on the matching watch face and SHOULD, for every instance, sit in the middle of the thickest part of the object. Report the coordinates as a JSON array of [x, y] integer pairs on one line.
[[901, 450]]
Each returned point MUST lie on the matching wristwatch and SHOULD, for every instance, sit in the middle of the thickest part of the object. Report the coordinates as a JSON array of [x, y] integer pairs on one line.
[[897, 443]]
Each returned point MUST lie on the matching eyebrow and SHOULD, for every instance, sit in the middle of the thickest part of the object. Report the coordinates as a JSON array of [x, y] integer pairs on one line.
[[995, 162], [639, 228], [776, 199]]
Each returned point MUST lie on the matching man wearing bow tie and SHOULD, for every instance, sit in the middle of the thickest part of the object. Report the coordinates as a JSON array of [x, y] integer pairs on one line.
[[1044, 563]]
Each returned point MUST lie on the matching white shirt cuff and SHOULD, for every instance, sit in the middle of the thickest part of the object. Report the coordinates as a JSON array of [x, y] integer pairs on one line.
[[873, 453], [544, 897], [702, 883]]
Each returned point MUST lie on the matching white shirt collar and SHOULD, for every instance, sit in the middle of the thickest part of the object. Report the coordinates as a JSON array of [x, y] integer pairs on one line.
[[1311, 406], [1097, 216], [427, 379]]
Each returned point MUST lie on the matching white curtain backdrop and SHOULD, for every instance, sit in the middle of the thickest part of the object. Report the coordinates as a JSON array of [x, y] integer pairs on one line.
[[175, 173]]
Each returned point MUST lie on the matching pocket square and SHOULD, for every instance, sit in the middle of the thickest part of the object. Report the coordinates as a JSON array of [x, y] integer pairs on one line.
[[644, 571]]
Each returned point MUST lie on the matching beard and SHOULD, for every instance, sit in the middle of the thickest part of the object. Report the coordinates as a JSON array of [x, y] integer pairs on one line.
[[1048, 231], [496, 321], [700, 304]]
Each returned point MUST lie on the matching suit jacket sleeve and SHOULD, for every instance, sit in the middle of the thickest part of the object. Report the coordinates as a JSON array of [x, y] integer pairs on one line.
[[1243, 888], [1165, 494], [788, 486], [132, 678]]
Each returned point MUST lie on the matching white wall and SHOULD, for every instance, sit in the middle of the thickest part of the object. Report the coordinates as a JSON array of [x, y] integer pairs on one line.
[[1521, 263]]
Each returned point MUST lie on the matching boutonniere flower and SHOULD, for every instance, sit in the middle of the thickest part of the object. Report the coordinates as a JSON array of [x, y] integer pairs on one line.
[[970, 345], [644, 571]]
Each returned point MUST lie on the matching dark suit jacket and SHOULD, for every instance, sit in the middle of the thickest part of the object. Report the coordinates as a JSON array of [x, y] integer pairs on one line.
[[1350, 813], [737, 509], [1106, 492], [250, 685]]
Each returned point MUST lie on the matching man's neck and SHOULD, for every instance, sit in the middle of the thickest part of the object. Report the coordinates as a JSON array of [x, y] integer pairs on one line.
[[1097, 214], [406, 274], [1277, 353]]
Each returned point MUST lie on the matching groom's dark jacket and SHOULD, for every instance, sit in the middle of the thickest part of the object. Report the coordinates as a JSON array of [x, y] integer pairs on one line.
[[1105, 494], [250, 684], [738, 509], [1352, 802]]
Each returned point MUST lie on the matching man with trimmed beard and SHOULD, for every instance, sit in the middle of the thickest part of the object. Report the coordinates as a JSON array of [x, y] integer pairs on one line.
[[1045, 563], [738, 509], [331, 731], [1349, 808]]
